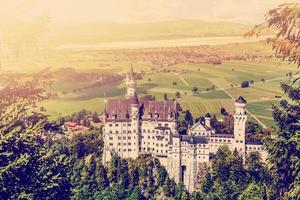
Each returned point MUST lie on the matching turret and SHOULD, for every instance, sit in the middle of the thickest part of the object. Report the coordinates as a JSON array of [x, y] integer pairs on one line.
[[130, 83], [207, 119], [240, 104], [135, 124], [240, 118]]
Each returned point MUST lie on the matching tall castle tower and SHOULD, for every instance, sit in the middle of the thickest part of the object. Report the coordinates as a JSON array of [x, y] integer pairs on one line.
[[135, 119], [130, 83], [240, 118]]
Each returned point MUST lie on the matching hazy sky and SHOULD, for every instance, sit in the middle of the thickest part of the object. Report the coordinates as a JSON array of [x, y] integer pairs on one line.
[[244, 11]]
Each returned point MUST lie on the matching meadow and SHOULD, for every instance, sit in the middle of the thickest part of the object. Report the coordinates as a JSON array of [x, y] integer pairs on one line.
[[225, 78]]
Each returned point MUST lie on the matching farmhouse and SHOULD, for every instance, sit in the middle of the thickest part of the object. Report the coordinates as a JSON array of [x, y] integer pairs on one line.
[[133, 127]]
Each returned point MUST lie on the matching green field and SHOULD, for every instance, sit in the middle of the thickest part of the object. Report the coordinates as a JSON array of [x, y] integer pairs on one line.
[[226, 76]]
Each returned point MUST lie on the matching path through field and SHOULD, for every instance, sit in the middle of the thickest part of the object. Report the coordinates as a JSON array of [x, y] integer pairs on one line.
[[184, 81]]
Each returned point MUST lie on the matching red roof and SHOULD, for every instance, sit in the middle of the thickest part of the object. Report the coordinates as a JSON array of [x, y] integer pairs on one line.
[[70, 124]]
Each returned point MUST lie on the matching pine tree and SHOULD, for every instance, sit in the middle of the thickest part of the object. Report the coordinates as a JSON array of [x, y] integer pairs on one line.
[[253, 192]]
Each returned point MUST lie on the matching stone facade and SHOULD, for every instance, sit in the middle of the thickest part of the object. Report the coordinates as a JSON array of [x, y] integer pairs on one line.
[[133, 127]]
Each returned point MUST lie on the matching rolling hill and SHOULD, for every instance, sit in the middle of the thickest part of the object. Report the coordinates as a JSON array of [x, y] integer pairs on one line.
[[108, 32]]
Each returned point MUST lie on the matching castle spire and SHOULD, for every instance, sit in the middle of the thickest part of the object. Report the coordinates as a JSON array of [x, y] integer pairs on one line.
[[131, 83]]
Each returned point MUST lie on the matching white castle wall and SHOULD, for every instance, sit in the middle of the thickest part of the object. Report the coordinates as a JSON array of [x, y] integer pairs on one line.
[[182, 158]]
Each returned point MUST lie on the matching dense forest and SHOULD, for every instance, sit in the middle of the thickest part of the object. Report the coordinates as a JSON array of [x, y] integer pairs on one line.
[[35, 167]]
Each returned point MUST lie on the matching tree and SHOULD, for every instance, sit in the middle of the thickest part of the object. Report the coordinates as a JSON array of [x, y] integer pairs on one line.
[[188, 118], [27, 168], [102, 177], [194, 89], [177, 94], [95, 118], [136, 194], [283, 148], [174, 83], [165, 96], [223, 111], [245, 84], [228, 177], [253, 192], [257, 170]]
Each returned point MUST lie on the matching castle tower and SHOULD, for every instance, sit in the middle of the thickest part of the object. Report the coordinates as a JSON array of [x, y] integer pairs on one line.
[[240, 118], [207, 120], [130, 83], [192, 165], [135, 124]]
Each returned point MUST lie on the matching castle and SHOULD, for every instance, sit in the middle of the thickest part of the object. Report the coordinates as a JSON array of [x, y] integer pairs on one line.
[[133, 127]]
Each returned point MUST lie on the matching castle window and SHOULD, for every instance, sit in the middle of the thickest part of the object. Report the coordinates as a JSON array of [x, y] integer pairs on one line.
[[109, 124], [129, 131], [129, 149], [129, 124], [129, 137], [117, 131], [119, 137], [129, 143], [110, 137], [110, 144], [166, 124], [110, 131], [116, 124], [159, 124], [119, 143]]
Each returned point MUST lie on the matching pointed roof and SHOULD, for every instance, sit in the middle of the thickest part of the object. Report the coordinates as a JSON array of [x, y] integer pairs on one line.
[[241, 100], [207, 115], [131, 73]]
